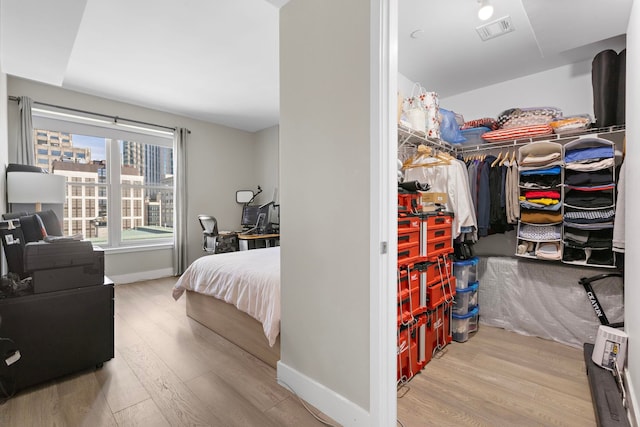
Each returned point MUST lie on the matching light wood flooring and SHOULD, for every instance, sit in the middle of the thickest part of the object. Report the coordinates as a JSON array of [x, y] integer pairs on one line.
[[169, 370], [499, 378]]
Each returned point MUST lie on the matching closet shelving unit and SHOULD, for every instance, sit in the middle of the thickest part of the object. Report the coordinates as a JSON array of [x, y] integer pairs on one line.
[[592, 200], [408, 141], [532, 235]]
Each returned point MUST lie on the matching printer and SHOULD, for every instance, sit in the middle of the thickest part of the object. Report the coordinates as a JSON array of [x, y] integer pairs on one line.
[[63, 264]]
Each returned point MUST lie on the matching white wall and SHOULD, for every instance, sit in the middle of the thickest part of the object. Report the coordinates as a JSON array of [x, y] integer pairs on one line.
[[632, 205], [220, 160], [268, 164], [4, 151], [567, 88], [324, 180], [4, 135]]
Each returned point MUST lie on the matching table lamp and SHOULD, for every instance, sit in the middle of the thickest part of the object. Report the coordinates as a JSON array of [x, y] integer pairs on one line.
[[35, 188]]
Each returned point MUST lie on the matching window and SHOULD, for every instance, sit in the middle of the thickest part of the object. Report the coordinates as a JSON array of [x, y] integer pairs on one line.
[[119, 183]]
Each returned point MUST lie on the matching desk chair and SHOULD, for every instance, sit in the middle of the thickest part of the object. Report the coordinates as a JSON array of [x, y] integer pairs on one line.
[[209, 233]]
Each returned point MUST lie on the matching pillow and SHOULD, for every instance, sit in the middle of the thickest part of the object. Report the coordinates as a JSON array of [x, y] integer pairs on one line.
[[38, 225], [517, 133], [31, 228], [488, 122], [517, 117], [51, 222]]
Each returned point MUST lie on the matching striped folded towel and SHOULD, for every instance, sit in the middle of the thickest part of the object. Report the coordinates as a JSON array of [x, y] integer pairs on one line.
[[517, 133]]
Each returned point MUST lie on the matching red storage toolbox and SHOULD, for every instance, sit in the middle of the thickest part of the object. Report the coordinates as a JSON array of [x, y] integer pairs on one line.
[[438, 233], [408, 236], [408, 364], [436, 270], [437, 219], [426, 340], [435, 234], [408, 222], [408, 252], [421, 329], [409, 202], [408, 277], [436, 247], [441, 292], [409, 306], [440, 321]]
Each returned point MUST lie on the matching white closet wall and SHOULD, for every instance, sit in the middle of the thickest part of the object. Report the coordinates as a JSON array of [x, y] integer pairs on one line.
[[632, 230], [568, 88]]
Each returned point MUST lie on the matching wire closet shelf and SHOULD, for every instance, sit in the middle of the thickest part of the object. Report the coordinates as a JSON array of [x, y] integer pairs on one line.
[[409, 140]]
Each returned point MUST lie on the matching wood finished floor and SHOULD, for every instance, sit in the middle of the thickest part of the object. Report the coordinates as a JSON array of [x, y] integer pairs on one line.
[[499, 378], [169, 370]]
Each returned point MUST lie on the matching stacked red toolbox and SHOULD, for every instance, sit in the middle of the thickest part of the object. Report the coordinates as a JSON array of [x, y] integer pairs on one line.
[[409, 362], [426, 285]]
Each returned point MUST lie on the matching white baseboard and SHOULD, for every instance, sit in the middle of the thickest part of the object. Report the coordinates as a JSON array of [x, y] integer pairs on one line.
[[141, 275], [329, 402], [632, 400]]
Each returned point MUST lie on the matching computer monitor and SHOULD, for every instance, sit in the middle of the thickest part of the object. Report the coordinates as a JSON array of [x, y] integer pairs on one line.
[[250, 216]]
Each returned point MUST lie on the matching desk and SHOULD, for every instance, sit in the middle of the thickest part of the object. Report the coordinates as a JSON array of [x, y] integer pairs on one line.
[[246, 239]]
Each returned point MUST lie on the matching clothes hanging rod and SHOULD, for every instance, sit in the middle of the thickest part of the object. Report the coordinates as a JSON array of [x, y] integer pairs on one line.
[[106, 116]]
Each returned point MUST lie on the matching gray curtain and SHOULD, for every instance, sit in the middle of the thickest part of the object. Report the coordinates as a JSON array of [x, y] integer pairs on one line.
[[180, 201], [26, 150]]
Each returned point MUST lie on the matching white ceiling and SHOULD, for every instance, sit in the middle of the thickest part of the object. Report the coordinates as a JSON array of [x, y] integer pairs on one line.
[[450, 58], [217, 60]]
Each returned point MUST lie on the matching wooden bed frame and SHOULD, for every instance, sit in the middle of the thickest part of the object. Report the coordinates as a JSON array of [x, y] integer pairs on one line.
[[236, 326]]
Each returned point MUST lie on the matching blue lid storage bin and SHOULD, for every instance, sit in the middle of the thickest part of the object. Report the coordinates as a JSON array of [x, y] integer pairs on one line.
[[465, 272], [473, 136], [463, 324], [465, 299]]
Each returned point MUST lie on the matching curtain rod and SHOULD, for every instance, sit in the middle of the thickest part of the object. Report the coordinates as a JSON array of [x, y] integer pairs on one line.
[[106, 116]]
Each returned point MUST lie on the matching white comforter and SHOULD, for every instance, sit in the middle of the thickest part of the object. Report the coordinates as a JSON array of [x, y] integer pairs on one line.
[[250, 280]]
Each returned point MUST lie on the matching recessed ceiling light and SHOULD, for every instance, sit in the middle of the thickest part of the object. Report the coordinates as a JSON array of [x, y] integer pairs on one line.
[[417, 34], [486, 10]]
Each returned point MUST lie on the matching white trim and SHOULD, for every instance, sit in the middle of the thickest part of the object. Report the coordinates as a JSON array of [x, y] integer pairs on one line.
[[115, 123], [326, 400], [136, 248], [141, 275], [383, 211], [632, 400]]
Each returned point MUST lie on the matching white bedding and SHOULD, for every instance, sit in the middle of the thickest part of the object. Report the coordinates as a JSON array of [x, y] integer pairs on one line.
[[250, 280]]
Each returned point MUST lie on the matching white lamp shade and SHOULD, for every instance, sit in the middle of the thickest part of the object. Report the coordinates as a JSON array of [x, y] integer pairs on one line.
[[34, 187]]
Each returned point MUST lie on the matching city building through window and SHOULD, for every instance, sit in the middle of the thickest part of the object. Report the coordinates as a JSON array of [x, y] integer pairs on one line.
[[119, 184]]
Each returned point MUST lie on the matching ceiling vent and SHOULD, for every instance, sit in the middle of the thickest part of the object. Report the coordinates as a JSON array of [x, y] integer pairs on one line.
[[495, 28]]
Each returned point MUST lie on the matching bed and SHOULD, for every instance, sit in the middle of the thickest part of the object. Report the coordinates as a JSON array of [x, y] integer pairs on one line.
[[237, 295]]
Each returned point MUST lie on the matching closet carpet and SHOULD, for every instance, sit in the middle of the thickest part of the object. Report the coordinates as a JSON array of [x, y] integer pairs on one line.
[[169, 370]]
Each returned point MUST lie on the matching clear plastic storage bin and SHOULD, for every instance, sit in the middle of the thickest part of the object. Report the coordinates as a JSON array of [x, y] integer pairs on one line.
[[465, 272], [465, 299], [473, 298], [463, 324]]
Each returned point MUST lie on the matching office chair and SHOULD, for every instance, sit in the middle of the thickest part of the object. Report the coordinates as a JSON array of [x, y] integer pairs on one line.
[[209, 233]]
